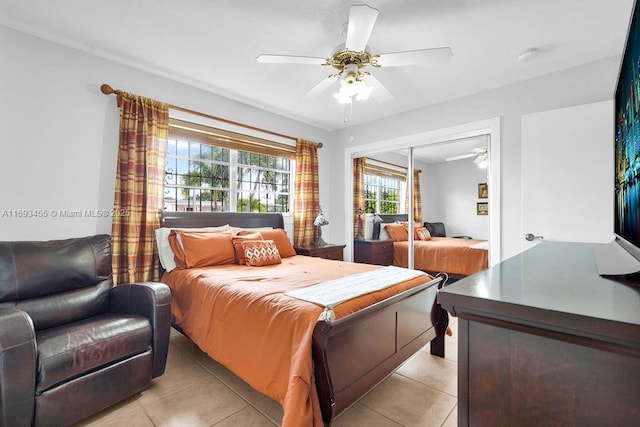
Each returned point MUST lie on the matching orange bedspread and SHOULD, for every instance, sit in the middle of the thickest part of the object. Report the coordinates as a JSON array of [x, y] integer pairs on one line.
[[443, 254], [240, 317]]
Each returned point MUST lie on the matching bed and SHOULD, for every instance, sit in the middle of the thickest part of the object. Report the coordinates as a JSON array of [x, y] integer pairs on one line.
[[332, 363], [458, 257]]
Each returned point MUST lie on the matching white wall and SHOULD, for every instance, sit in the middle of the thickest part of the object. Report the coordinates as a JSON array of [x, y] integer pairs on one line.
[[581, 85], [60, 133], [450, 196]]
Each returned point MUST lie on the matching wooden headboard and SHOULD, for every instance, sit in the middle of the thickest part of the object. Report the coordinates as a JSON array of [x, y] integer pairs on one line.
[[386, 219], [211, 219]]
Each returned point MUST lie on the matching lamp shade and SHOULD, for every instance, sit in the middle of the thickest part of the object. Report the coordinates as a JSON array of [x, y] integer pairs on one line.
[[320, 220]]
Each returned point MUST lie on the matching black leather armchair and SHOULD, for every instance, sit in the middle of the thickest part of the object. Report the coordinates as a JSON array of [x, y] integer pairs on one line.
[[71, 344]]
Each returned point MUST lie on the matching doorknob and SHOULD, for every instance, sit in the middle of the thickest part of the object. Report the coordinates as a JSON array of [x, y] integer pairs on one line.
[[530, 237]]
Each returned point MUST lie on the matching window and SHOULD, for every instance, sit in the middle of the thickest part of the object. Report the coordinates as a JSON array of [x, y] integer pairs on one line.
[[382, 194], [207, 172], [384, 190], [264, 183]]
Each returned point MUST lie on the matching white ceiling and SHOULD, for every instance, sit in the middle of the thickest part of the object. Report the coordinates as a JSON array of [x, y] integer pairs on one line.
[[213, 44]]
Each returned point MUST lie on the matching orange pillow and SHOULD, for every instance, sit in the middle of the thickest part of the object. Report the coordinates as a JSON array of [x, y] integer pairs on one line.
[[397, 232], [280, 238], [205, 249], [239, 249], [259, 253], [176, 248], [175, 242]]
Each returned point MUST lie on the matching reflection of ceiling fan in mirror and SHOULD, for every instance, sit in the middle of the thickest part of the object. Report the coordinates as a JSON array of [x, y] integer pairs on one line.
[[354, 55], [481, 157]]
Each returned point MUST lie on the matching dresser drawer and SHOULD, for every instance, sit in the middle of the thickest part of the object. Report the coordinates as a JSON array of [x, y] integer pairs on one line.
[[378, 252], [383, 248]]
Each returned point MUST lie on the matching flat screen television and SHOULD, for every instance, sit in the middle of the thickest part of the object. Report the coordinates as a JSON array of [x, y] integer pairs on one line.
[[627, 142]]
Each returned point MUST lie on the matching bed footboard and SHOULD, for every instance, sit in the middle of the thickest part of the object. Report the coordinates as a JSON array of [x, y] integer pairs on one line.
[[353, 354]]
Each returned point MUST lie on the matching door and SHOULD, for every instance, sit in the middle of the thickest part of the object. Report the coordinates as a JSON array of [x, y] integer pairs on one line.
[[567, 174]]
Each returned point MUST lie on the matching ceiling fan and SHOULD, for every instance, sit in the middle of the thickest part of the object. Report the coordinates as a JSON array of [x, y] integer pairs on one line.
[[354, 55], [481, 157]]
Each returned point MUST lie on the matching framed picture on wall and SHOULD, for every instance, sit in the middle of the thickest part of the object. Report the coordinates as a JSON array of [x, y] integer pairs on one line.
[[482, 208], [483, 190]]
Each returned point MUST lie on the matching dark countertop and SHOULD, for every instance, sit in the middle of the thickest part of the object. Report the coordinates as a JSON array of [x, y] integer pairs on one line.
[[554, 286]]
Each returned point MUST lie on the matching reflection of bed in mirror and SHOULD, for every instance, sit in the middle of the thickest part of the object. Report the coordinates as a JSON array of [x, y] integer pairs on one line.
[[456, 256], [340, 359]]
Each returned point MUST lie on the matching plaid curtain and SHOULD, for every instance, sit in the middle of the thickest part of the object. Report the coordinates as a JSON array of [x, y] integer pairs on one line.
[[307, 193], [358, 195], [144, 126], [417, 199]]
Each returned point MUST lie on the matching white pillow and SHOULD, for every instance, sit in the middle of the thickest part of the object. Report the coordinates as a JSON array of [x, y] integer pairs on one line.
[[164, 249], [383, 233]]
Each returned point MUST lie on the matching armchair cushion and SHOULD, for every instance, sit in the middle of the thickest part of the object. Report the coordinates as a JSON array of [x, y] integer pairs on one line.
[[69, 351]]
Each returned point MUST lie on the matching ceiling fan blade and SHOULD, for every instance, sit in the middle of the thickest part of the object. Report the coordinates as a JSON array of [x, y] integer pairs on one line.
[[323, 85], [379, 92], [361, 22], [290, 59], [416, 57], [462, 156]]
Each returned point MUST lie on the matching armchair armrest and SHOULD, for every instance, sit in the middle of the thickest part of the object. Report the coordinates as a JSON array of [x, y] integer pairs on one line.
[[153, 301], [18, 357]]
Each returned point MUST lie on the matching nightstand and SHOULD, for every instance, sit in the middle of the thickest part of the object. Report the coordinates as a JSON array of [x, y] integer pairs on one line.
[[373, 251], [328, 251]]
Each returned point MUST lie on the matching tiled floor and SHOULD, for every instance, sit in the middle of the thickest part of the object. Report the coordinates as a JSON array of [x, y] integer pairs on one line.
[[196, 391]]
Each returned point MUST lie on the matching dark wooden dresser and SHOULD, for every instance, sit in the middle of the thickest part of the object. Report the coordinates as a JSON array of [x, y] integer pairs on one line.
[[545, 340], [373, 251], [328, 251]]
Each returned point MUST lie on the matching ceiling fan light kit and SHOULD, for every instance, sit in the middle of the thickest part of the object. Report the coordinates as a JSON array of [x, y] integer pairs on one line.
[[354, 55]]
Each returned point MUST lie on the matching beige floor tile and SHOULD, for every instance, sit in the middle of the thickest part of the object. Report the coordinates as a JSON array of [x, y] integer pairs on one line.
[[236, 384], [248, 417], [128, 412], [452, 419], [358, 416], [180, 372], [271, 409], [202, 404], [229, 378], [409, 403], [432, 371]]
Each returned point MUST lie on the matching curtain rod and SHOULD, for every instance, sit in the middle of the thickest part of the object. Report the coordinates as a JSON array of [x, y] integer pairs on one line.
[[108, 90], [392, 164]]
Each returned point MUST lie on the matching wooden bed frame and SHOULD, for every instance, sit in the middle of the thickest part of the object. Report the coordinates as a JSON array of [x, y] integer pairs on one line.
[[353, 354]]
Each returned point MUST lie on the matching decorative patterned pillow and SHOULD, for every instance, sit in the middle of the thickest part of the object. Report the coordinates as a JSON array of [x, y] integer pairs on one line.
[[422, 233], [259, 253], [419, 232], [238, 242]]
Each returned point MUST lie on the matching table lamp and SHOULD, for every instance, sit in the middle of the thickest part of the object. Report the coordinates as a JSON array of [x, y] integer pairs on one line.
[[319, 222]]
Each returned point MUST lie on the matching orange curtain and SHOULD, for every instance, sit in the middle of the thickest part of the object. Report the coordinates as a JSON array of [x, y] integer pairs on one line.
[[417, 198], [358, 197], [307, 192], [138, 198]]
